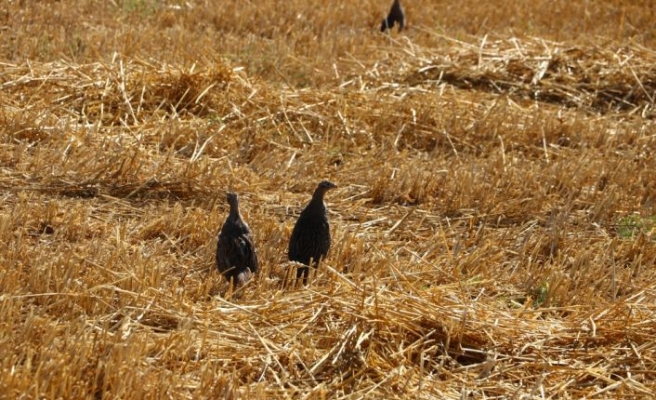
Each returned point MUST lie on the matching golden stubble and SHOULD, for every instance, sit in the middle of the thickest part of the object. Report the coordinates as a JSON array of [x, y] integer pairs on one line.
[[492, 229]]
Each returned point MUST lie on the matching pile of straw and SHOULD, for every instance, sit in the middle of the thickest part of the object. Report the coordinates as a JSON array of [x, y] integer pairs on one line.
[[493, 230]]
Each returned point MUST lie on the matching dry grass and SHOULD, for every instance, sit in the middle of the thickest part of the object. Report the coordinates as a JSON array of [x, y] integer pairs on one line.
[[493, 230]]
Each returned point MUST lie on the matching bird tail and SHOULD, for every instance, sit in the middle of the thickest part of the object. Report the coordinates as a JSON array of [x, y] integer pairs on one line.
[[243, 277]]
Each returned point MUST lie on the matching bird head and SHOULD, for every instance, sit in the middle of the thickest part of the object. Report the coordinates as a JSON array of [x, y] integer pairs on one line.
[[323, 187], [233, 201]]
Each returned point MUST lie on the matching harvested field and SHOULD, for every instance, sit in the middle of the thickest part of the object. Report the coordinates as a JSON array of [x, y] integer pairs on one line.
[[493, 231]]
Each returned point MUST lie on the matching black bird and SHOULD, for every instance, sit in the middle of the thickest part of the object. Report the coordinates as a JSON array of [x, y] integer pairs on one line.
[[396, 14], [310, 240], [236, 258]]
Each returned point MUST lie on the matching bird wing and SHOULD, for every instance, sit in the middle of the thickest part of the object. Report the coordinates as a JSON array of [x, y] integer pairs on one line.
[[246, 250], [309, 240], [236, 251]]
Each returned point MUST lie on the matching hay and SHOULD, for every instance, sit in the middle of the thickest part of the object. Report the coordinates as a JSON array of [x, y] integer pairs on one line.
[[600, 79], [492, 233]]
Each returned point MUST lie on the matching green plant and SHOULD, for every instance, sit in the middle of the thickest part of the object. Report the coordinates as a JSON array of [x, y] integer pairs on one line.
[[630, 226]]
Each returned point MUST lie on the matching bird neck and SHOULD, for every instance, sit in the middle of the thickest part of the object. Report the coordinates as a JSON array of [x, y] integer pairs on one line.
[[234, 213], [317, 197]]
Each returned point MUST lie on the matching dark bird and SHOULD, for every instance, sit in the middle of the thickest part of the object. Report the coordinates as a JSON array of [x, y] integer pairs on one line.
[[310, 240], [396, 14], [235, 252]]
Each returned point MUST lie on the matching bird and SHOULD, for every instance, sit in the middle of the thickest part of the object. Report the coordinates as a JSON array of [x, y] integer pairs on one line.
[[310, 239], [396, 14], [236, 257]]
